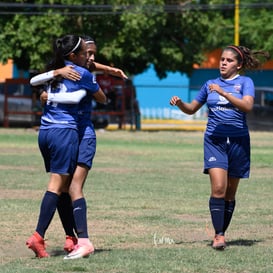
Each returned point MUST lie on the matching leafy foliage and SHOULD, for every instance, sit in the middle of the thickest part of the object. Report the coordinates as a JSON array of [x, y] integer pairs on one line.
[[131, 34]]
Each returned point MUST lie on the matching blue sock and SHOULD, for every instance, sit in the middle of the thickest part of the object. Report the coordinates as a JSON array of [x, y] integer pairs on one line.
[[229, 209], [80, 210], [217, 211], [47, 210], [65, 211]]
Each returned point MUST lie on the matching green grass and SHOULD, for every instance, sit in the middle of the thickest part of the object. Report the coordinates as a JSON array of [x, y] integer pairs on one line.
[[147, 207]]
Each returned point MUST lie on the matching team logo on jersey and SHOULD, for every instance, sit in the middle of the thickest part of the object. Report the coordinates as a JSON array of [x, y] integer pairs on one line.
[[237, 88], [212, 158], [222, 100], [94, 79]]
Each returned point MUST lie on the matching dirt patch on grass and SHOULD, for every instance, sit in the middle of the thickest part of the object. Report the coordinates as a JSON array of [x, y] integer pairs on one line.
[[112, 170], [17, 168], [20, 194]]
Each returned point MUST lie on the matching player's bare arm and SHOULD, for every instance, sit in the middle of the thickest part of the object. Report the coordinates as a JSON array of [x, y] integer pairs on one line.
[[110, 70], [100, 97], [188, 108]]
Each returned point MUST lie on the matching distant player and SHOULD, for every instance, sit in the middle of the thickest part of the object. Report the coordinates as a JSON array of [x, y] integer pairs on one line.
[[226, 140]]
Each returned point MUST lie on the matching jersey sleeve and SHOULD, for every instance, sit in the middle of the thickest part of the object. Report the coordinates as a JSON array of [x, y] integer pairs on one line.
[[248, 88], [67, 97], [88, 82], [42, 78], [202, 95]]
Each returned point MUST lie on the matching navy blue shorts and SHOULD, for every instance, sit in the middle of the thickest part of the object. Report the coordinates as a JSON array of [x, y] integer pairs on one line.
[[59, 148], [228, 153], [87, 150]]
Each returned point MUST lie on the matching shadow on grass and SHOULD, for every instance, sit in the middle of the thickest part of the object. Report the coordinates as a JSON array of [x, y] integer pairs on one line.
[[239, 242], [243, 242], [58, 252]]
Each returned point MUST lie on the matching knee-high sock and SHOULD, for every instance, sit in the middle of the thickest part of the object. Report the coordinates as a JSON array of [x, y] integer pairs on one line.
[[65, 211], [47, 210], [217, 211], [80, 217], [229, 209]]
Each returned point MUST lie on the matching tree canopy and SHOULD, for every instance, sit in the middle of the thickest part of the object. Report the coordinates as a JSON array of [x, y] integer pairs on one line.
[[171, 35]]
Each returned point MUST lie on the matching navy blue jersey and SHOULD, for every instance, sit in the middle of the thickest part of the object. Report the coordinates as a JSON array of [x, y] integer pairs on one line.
[[85, 126], [59, 115], [223, 118]]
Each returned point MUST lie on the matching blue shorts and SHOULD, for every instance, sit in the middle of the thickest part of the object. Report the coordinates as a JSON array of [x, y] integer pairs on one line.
[[59, 148], [228, 153], [87, 150]]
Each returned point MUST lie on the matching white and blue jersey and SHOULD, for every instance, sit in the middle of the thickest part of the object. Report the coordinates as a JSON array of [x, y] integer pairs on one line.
[[60, 115], [223, 118]]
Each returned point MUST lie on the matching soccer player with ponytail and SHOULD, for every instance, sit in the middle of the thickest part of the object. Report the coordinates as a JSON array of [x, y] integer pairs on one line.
[[58, 135], [226, 141]]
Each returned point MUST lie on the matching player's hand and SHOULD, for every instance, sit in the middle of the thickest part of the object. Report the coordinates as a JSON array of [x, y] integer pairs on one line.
[[118, 73], [174, 100], [216, 88], [68, 72], [43, 98]]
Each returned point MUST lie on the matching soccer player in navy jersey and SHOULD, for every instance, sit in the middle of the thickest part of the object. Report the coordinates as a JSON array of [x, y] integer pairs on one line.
[[87, 149], [58, 135], [226, 139], [80, 245]]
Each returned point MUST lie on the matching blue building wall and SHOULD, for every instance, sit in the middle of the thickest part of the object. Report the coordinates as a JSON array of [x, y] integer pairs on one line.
[[16, 73], [154, 94]]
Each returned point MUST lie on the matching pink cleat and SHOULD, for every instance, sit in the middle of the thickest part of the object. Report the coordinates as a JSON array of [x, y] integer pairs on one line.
[[81, 251]]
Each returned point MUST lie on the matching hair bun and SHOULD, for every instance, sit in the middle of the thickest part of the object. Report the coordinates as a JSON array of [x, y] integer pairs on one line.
[[59, 43]]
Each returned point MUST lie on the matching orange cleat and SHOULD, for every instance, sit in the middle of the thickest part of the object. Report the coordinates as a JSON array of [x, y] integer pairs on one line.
[[70, 243], [37, 244], [219, 242]]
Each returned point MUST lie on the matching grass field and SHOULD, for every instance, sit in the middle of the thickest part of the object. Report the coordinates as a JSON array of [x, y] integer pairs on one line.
[[147, 207]]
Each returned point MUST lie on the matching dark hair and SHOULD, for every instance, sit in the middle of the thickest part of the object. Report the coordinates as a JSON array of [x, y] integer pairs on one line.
[[88, 39], [62, 48], [249, 59]]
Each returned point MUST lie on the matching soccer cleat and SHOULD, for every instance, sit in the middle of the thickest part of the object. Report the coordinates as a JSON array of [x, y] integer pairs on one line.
[[80, 251], [219, 242], [37, 244], [70, 243]]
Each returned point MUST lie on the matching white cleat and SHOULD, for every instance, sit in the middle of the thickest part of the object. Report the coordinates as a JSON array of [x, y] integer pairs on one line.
[[80, 252]]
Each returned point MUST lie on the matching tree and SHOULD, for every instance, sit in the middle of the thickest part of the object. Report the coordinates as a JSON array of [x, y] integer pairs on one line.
[[172, 35]]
